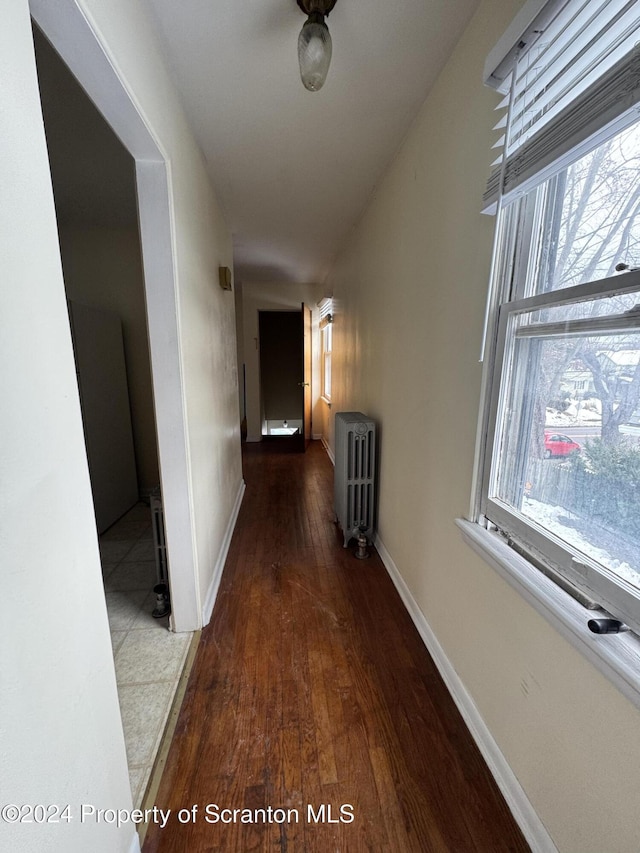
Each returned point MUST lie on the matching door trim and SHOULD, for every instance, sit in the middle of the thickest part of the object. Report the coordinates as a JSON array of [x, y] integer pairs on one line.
[[71, 33]]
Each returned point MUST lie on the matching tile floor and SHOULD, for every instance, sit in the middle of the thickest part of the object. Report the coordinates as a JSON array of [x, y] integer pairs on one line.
[[148, 657]]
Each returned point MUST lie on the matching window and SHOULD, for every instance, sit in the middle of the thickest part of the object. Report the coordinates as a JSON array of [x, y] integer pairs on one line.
[[327, 335], [561, 468], [326, 332]]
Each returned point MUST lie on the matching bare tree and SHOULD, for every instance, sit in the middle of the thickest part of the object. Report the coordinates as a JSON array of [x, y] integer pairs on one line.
[[597, 227], [619, 399]]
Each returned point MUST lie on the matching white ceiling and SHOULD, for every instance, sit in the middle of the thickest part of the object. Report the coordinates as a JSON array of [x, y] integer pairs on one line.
[[294, 169]]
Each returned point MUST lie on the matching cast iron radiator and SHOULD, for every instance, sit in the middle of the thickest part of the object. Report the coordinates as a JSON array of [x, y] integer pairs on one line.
[[354, 478], [159, 541]]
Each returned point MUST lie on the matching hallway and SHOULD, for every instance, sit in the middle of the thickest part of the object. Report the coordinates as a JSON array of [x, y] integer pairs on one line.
[[311, 686]]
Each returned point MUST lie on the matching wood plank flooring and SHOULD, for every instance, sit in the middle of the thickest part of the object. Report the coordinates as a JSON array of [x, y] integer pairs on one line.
[[312, 687]]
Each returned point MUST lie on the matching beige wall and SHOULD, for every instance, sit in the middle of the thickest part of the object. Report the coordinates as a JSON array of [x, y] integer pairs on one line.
[[103, 269], [237, 288], [409, 289]]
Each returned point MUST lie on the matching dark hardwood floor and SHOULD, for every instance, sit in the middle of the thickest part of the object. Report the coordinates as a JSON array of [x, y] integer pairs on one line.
[[311, 686]]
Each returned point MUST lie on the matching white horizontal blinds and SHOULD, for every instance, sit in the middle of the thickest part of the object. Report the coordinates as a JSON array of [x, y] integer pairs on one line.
[[502, 107], [536, 16], [568, 57], [325, 307], [579, 75]]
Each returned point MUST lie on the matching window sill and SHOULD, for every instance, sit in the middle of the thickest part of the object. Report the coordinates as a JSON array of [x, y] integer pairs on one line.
[[616, 656], [326, 400]]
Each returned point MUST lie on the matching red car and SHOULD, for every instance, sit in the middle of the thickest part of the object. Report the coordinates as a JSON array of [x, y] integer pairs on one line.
[[556, 444]]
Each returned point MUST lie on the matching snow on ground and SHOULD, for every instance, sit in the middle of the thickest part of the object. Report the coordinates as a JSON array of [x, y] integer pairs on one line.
[[573, 416], [550, 518]]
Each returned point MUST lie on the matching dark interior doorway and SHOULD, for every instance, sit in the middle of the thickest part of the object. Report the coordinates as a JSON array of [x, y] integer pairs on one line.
[[281, 374]]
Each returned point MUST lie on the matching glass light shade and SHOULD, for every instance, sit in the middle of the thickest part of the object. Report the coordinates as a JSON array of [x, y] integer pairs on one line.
[[314, 54]]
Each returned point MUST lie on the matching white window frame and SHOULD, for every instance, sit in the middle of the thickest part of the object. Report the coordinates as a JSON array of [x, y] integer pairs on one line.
[[563, 599], [563, 603], [583, 578], [326, 346]]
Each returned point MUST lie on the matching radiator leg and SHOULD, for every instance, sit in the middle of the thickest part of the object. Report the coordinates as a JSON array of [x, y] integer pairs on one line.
[[163, 607], [361, 551]]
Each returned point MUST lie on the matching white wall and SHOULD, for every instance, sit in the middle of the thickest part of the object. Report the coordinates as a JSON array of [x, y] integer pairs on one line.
[[277, 296], [410, 288], [60, 725], [103, 269]]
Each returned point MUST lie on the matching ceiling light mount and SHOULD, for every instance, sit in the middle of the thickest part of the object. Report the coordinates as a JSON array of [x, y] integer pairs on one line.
[[314, 43], [321, 6]]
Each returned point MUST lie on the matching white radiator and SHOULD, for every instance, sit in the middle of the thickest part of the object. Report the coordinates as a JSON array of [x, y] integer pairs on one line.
[[354, 478], [159, 541]]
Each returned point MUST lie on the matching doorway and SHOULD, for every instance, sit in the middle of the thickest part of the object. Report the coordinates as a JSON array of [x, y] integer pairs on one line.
[[285, 376], [76, 42], [94, 182], [281, 369]]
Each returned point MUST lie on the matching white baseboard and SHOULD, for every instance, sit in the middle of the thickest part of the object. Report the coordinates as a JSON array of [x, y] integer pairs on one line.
[[328, 449], [316, 436], [212, 592], [526, 817], [134, 847]]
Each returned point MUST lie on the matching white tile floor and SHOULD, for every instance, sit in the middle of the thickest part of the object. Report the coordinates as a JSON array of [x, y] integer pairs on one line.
[[148, 657]]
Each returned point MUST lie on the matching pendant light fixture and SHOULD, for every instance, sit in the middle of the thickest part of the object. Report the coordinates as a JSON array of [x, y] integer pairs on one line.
[[314, 43]]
